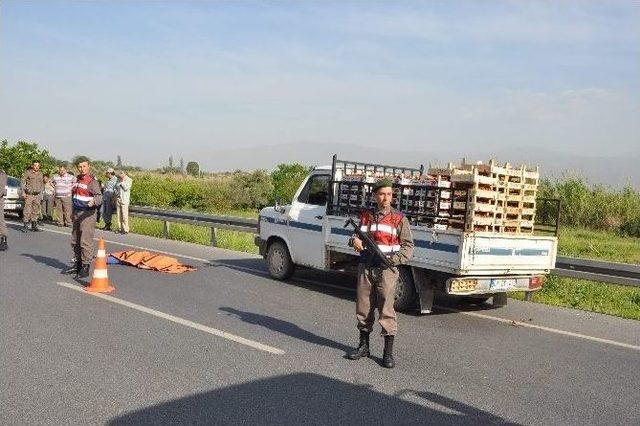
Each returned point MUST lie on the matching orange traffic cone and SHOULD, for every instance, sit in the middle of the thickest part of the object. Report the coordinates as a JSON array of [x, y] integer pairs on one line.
[[100, 280]]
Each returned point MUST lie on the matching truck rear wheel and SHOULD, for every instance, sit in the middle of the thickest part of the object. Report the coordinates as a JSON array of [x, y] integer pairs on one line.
[[279, 261], [405, 292]]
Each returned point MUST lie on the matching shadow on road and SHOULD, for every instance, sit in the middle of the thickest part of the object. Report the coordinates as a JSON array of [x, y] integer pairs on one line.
[[305, 399], [342, 285], [284, 327], [49, 261], [339, 284]]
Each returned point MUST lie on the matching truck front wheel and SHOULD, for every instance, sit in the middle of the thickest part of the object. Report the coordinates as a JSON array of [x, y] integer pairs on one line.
[[279, 261], [405, 294]]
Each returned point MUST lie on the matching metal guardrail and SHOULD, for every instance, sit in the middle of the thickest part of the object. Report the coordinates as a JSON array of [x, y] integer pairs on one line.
[[596, 270], [194, 218], [587, 269]]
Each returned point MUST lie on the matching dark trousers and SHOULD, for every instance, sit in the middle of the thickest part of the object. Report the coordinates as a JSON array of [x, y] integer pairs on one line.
[[84, 228], [3, 225]]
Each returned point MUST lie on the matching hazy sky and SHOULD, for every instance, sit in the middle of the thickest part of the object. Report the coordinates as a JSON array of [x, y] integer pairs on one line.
[[150, 79]]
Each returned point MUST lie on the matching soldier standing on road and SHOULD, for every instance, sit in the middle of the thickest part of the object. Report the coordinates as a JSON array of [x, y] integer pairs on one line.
[[86, 199], [376, 285], [62, 182], [32, 186], [3, 225]]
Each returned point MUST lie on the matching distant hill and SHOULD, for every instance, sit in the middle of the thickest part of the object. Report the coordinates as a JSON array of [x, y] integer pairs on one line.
[[614, 171]]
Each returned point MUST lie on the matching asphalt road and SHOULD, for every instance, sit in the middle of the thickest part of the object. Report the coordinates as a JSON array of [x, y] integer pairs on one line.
[[227, 345]]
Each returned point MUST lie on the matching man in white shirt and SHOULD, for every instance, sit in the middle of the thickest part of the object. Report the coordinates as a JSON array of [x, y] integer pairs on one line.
[[123, 191]]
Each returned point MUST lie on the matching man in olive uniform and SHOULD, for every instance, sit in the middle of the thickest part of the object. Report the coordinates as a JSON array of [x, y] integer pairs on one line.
[[376, 284], [3, 225], [32, 186], [86, 198]]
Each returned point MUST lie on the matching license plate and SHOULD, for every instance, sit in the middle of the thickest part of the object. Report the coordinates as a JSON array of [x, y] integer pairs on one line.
[[502, 284], [10, 206]]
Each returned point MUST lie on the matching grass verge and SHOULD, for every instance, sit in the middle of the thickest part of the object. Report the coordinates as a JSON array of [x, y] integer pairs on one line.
[[604, 298], [232, 240], [603, 245]]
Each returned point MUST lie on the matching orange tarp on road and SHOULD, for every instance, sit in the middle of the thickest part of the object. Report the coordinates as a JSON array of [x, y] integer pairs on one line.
[[152, 261]]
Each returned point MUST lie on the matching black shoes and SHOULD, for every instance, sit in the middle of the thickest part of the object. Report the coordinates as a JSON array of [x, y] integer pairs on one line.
[[34, 227], [363, 350], [3, 243], [25, 227], [363, 347], [83, 272], [387, 358], [74, 269], [80, 269]]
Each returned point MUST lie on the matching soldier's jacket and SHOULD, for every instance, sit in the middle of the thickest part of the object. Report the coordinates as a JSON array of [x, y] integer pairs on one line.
[[3, 183], [32, 182]]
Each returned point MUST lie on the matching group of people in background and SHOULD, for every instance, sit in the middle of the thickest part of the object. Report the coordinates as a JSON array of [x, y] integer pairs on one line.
[[50, 197]]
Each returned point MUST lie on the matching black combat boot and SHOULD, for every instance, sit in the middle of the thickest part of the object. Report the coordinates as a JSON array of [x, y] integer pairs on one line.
[[25, 227], [363, 347], [3, 243], [73, 269], [83, 272], [387, 357], [34, 226]]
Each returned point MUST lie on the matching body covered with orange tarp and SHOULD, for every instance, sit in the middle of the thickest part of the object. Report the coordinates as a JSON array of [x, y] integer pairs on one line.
[[152, 261]]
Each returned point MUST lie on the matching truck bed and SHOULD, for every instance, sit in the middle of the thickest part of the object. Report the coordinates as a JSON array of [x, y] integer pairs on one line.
[[465, 253]]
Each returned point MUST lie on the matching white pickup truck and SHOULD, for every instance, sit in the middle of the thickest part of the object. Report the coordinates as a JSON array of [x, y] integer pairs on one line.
[[471, 265]]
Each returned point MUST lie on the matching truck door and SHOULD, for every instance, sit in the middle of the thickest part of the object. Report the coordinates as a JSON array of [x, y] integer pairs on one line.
[[305, 222]]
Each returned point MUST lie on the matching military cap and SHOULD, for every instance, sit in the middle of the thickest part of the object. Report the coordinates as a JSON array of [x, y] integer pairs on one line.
[[382, 183]]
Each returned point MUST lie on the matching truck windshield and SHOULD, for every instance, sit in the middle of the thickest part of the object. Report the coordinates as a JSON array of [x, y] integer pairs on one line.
[[315, 191]]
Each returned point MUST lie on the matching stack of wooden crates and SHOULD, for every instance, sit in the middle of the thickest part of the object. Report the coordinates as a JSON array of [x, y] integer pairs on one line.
[[490, 197]]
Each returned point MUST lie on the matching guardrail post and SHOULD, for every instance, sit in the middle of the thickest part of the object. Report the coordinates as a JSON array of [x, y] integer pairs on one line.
[[214, 237], [165, 229], [528, 295]]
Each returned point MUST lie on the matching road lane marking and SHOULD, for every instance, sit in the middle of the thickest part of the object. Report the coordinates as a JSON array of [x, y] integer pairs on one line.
[[318, 283], [543, 328], [178, 320]]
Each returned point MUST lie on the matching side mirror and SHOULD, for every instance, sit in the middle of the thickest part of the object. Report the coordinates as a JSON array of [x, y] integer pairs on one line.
[[277, 207]]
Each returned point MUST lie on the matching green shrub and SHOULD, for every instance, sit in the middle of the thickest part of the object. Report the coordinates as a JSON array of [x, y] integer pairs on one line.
[[594, 206]]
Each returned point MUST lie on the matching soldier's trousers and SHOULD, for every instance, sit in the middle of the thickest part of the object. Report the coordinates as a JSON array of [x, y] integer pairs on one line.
[[371, 295], [31, 212], [63, 210], [84, 228], [3, 225]]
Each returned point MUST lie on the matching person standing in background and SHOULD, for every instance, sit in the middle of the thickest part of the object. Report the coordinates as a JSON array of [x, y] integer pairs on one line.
[[48, 197], [123, 189], [32, 186], [3, 225], [62, 182], [108, 197]]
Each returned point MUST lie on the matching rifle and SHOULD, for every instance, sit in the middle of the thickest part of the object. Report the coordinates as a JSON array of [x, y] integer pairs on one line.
[[369, 243]]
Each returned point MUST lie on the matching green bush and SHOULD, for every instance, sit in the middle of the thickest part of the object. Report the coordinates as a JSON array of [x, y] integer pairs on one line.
[[286, 180], [238, 191], [595, 206]]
